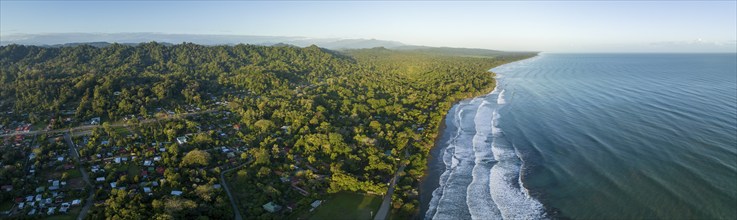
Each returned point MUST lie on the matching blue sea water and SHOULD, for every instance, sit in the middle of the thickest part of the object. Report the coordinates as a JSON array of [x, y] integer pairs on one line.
[[593, 136]]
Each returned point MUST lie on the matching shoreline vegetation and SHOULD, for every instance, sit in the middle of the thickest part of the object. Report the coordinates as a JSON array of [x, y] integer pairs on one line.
[[306, 122]]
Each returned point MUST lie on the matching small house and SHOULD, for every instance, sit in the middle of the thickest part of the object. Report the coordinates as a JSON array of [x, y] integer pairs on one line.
[[182, 140], [271, 207], [64, 207], [316, 203]]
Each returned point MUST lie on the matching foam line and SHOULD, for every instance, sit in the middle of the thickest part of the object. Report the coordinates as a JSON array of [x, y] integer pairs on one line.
[[482, 179]]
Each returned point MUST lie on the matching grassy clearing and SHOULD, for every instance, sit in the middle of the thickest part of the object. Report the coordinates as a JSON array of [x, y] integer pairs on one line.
[[73, 173], [6, 205], [346, 205], [68, 216], [133, 170], [122, 131]]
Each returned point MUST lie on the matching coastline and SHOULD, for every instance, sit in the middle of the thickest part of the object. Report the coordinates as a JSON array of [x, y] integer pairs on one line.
[[434, 168], [427, 187], [545, 130]]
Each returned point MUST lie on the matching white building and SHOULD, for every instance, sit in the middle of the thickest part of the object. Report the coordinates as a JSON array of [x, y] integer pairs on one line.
[[182, 140]]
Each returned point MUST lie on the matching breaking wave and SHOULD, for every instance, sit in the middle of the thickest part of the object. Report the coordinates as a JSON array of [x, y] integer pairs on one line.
[[481, 179]]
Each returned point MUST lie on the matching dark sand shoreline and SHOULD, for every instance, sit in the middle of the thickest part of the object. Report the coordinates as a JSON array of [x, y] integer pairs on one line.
[[431, 179], [435, 167]]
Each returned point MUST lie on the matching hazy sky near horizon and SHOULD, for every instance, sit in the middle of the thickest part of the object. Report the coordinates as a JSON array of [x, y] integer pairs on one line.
[[566, 26]]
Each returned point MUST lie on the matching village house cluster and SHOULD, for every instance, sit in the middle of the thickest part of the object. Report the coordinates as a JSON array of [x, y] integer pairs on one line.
[[40, 177], [63, 172]]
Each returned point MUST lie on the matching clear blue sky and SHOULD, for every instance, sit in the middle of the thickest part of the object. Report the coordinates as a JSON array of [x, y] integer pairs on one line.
[[573, 26]]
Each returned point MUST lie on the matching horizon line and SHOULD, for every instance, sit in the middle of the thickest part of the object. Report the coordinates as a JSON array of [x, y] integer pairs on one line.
[[296, 37]]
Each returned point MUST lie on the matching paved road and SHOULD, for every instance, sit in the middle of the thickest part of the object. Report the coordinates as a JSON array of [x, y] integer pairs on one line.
[[387, 202], [90, 199], [227, 190], [87, 129], [62, 130]]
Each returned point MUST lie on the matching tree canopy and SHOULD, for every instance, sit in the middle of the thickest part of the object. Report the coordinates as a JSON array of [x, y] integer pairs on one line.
[[331, 121], [196, 157]]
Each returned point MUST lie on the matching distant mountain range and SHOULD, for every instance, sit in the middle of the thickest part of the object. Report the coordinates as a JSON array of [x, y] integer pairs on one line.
[[104, 40], [99, 39]]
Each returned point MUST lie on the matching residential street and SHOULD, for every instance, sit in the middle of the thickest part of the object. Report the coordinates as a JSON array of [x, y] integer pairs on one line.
[[387, 202], [90, 199], [236, 211], [85, 129]]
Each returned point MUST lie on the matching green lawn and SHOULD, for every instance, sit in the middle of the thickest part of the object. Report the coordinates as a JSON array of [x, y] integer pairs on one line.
[[346, 205], [133, 170], [122, 131], [6, 205], [68, 216], [73, 173]]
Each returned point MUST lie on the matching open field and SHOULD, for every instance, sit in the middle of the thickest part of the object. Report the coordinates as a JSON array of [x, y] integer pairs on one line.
[[346, 205]]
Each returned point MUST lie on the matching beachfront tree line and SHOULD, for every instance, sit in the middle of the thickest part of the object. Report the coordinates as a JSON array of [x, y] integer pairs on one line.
[[353, 116]]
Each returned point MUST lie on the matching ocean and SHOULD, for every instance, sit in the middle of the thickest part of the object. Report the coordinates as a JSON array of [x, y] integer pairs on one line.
[[592, 136]]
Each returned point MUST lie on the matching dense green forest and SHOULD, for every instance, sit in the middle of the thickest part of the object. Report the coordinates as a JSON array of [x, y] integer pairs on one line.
[[352, 116]]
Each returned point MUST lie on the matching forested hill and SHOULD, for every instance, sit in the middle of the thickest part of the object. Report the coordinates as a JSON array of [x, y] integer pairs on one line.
[[85, 78], [353, 117]]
